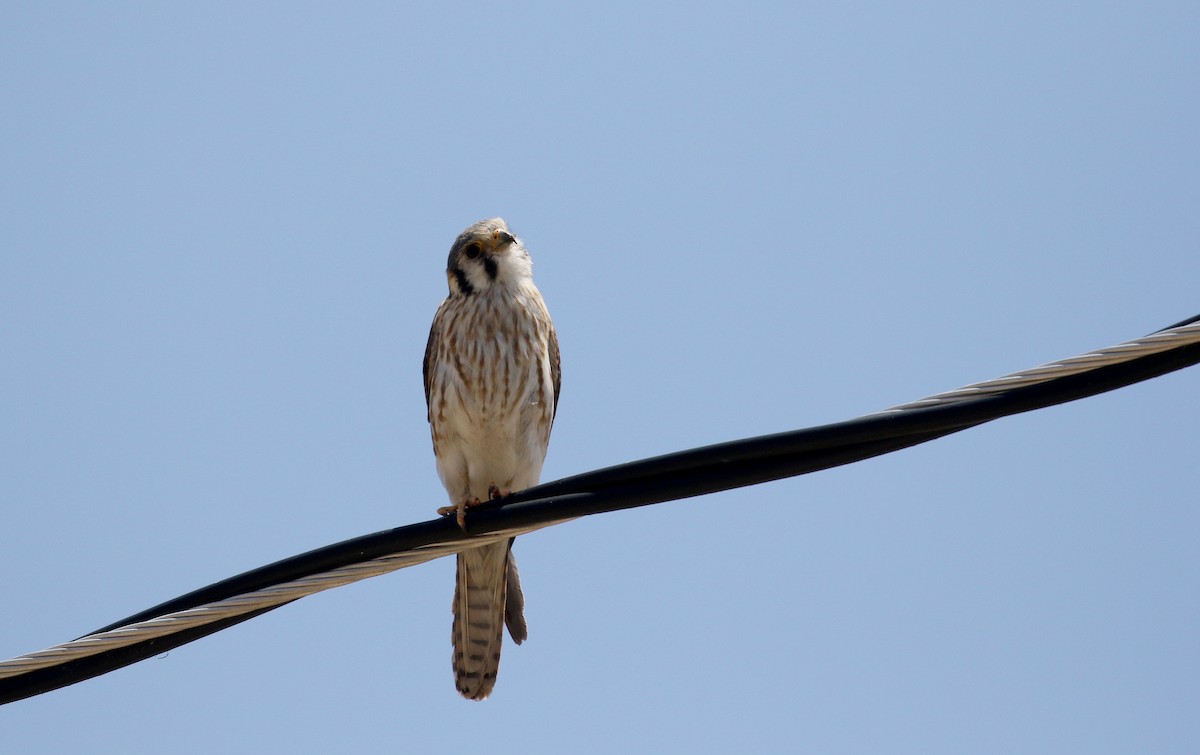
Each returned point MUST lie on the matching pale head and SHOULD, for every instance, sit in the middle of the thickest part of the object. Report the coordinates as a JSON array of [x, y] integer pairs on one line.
[[485, 256]]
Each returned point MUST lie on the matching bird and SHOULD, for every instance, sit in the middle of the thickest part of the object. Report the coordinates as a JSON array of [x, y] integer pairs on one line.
[[492, 378]]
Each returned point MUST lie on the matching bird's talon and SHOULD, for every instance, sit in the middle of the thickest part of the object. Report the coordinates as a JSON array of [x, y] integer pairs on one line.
[[495, 493], [459, 511]]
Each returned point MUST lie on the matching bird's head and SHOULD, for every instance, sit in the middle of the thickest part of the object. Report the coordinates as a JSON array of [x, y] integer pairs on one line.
[[485, 256]]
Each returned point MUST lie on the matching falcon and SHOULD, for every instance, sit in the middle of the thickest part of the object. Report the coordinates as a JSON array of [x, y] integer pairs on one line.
[[492, 379]]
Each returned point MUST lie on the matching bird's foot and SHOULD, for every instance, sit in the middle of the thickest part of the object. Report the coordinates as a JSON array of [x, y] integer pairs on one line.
[[495, 493], [460, 511]]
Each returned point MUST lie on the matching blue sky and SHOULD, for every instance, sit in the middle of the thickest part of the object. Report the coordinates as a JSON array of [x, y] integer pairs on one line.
[[224, 232]]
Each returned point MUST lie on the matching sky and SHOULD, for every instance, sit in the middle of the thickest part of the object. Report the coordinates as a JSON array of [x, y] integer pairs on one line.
[[224, 234]]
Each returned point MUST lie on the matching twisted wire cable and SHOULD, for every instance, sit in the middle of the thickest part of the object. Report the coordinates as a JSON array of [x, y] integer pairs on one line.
[[238, 605], [670, 477], [1151, 344]]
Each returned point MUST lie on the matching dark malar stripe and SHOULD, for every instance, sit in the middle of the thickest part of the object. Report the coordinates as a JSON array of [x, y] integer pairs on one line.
[[489, 267], [464, 285]]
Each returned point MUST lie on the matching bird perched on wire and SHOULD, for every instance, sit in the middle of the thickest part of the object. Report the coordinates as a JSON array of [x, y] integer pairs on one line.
[[492, 379]]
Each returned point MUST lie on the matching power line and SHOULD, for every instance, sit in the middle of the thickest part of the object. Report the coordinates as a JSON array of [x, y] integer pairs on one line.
[[673, 476]]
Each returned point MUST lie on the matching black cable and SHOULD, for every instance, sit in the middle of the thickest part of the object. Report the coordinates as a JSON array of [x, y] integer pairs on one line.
[[673, 476]]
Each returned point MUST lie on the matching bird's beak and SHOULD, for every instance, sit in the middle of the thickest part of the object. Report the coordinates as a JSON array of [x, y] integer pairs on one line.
[[503, 238]]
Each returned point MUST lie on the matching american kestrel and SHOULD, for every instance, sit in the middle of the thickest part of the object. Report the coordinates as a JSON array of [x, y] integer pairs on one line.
[[491, 385]]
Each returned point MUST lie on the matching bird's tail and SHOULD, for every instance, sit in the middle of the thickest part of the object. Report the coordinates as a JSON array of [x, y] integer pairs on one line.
[[482, 606]]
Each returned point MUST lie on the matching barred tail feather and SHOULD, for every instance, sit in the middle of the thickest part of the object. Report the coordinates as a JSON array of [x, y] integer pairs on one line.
[[514, 602], [479, 601]]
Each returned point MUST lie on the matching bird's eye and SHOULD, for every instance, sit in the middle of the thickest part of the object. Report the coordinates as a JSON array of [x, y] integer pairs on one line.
[[472, 251]]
